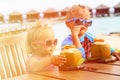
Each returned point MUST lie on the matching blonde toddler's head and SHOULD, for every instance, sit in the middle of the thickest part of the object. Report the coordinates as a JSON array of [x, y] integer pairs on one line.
[[37, 36]]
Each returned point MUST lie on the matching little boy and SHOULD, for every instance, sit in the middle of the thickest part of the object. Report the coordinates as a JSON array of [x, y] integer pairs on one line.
[[78, 21]]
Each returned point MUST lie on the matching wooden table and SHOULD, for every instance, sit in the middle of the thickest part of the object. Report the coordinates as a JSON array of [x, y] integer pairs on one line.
[[31, 77], [93, 71], [117, 63], [110, 69]]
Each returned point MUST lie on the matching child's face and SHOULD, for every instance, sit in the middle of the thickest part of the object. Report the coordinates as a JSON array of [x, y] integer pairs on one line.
[[46, 43], [80, 17]]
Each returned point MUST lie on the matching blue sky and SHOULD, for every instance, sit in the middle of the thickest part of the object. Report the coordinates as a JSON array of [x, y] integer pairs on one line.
[[7, 6]]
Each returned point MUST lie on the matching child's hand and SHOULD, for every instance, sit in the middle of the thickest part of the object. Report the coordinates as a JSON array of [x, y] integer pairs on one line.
[[58, 60], [78, 30], [117, 55]]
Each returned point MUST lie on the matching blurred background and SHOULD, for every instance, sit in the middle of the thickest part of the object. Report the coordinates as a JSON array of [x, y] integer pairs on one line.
[[17, 15]]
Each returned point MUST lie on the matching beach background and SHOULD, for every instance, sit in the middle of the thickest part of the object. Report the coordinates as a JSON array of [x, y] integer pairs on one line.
[[101, 26]]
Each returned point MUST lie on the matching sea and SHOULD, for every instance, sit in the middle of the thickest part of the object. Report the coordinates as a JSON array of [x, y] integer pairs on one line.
[[100, 25]]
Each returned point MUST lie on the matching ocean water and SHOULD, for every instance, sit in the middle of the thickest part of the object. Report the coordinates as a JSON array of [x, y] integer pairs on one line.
[[101, 25]]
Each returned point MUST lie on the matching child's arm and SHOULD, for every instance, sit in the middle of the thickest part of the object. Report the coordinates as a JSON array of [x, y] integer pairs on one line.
[[35, 64], [76, 34]]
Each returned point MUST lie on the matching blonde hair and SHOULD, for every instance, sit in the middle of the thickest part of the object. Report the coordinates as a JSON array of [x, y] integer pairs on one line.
[[35, 32], [80, 11]]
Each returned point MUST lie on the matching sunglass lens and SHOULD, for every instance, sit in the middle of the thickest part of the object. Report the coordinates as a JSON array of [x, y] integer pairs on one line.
[[88, 23], [78, 21]]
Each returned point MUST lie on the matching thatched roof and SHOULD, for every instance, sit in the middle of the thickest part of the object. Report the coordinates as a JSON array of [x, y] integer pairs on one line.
[[32, 12], [65, 9], [117, 5], [49, 10], [102, 6], [15, 13]]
